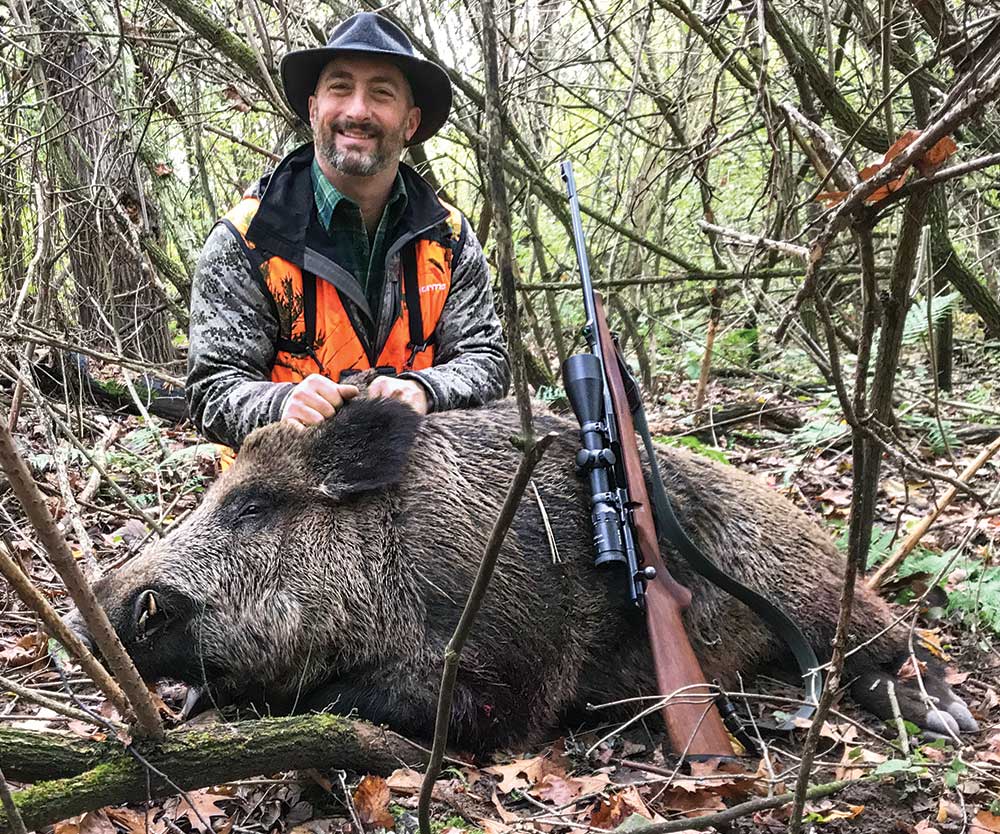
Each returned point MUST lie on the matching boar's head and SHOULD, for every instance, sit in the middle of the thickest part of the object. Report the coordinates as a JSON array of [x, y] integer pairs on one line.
[[274, 578]]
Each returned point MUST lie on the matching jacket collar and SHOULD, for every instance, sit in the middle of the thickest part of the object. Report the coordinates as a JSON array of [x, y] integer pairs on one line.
[[286, 222]]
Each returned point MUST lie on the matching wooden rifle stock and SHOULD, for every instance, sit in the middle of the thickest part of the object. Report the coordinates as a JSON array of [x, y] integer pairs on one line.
[[694, 724]]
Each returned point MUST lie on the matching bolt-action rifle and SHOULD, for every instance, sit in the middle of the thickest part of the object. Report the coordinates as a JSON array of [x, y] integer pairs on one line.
[[628, 528]]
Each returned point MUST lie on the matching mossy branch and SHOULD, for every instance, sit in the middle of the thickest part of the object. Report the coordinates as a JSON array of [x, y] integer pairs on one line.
[[92, 774]]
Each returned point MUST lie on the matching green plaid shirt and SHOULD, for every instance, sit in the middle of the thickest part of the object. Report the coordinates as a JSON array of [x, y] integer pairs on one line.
[[363, 257]]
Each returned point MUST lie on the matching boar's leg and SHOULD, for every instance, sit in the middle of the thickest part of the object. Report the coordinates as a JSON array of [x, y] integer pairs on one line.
[[874, 664], [412, 711], [947, 715]]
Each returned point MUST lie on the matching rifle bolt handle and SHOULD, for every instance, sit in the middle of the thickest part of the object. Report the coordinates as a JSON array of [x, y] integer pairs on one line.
[[646, 574]]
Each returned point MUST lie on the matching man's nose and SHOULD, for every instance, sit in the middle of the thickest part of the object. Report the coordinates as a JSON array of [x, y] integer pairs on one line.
[[358, 107]]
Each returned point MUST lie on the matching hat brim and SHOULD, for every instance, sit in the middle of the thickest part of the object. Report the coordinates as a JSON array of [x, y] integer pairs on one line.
[[430, 84]]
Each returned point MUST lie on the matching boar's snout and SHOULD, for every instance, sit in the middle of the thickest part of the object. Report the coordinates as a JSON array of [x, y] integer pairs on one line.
[[155, 624]]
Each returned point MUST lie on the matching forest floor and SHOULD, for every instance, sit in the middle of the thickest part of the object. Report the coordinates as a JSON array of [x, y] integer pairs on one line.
[[790, 439]]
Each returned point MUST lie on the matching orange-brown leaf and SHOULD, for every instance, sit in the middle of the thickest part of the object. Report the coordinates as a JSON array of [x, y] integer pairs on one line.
[[371, 801], [204, 805], [879, 194], [870, 171], [908, 671], [134, 822], [831, 198], [406, 781], [930, 639], [609, 813], [24, 650], [985, 823], [901, 144], [524, 773], [936, 156]]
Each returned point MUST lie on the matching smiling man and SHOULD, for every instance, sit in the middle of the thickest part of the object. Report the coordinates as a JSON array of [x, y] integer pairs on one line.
[[343, 259]]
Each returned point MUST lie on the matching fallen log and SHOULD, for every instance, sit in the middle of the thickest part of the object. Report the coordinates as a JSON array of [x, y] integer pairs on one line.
[[83, 775]]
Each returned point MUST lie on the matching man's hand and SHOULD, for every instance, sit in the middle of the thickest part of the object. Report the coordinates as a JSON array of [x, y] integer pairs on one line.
[[406, 391], [314, 399]]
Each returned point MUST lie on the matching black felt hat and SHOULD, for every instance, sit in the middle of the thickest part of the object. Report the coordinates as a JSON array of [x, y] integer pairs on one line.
[[370, 34]]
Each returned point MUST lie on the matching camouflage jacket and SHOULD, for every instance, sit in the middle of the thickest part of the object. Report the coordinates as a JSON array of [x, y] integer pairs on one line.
[[234, 321]]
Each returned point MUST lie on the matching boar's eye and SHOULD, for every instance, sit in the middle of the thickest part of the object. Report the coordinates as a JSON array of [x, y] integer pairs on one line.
[[252, 509], [250, 505]]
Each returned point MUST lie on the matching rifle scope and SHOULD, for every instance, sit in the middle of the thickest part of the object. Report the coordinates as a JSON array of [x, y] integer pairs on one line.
[[584, 381]]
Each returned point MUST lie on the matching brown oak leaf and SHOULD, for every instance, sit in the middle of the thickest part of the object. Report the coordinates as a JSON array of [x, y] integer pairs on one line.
[[371, 801]]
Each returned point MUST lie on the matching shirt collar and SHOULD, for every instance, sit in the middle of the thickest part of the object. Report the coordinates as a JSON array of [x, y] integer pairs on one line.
[[328, 197]]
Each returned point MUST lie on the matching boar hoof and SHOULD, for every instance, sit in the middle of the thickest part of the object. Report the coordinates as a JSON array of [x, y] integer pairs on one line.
[[946, 714]]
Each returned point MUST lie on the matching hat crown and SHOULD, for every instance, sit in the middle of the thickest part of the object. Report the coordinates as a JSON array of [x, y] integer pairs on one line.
[[369, 31]]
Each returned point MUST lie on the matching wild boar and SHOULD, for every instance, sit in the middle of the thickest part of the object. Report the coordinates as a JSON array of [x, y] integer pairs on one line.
[[328, 568]]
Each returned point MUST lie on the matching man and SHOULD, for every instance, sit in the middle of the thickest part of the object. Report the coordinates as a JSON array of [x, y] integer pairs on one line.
[[343, 259]]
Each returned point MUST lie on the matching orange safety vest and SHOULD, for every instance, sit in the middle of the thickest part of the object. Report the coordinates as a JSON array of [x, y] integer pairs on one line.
[[316, 334]]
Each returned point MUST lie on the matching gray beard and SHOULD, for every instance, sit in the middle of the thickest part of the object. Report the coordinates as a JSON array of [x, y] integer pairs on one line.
[[354, 163]]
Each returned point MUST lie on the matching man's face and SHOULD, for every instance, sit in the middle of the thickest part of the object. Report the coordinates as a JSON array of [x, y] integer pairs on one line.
[[362, 115]]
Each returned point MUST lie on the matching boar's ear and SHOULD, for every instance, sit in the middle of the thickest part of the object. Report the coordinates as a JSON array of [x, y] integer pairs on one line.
[[364, 447]]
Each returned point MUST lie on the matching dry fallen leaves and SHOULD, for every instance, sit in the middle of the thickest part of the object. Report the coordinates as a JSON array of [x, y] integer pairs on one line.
[[405, 780], [24, 650], [371, 801], [93, 822], [827, 811], [930, 639], [908, 671], [134, 822], [852, 761], [525, 773], [611, 812], [204, 805], [985, 823]]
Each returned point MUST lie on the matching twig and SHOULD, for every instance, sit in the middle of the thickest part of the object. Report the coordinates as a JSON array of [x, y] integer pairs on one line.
[[911, 541], [745, 809], [33, 502], [31, 334], [901, 734], [246, 144], [685, 277], [71, 509], [349, 802], [453, 651], [784, 246], [100, 450], [36, 697], [31, 597], [13, 815]]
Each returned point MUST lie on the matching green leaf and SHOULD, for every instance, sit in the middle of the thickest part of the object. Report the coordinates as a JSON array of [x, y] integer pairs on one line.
[[893, 766], [695, 445]]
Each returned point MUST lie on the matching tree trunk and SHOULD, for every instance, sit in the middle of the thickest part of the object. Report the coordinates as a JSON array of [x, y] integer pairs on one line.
[[961, 277], [105, 209]]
